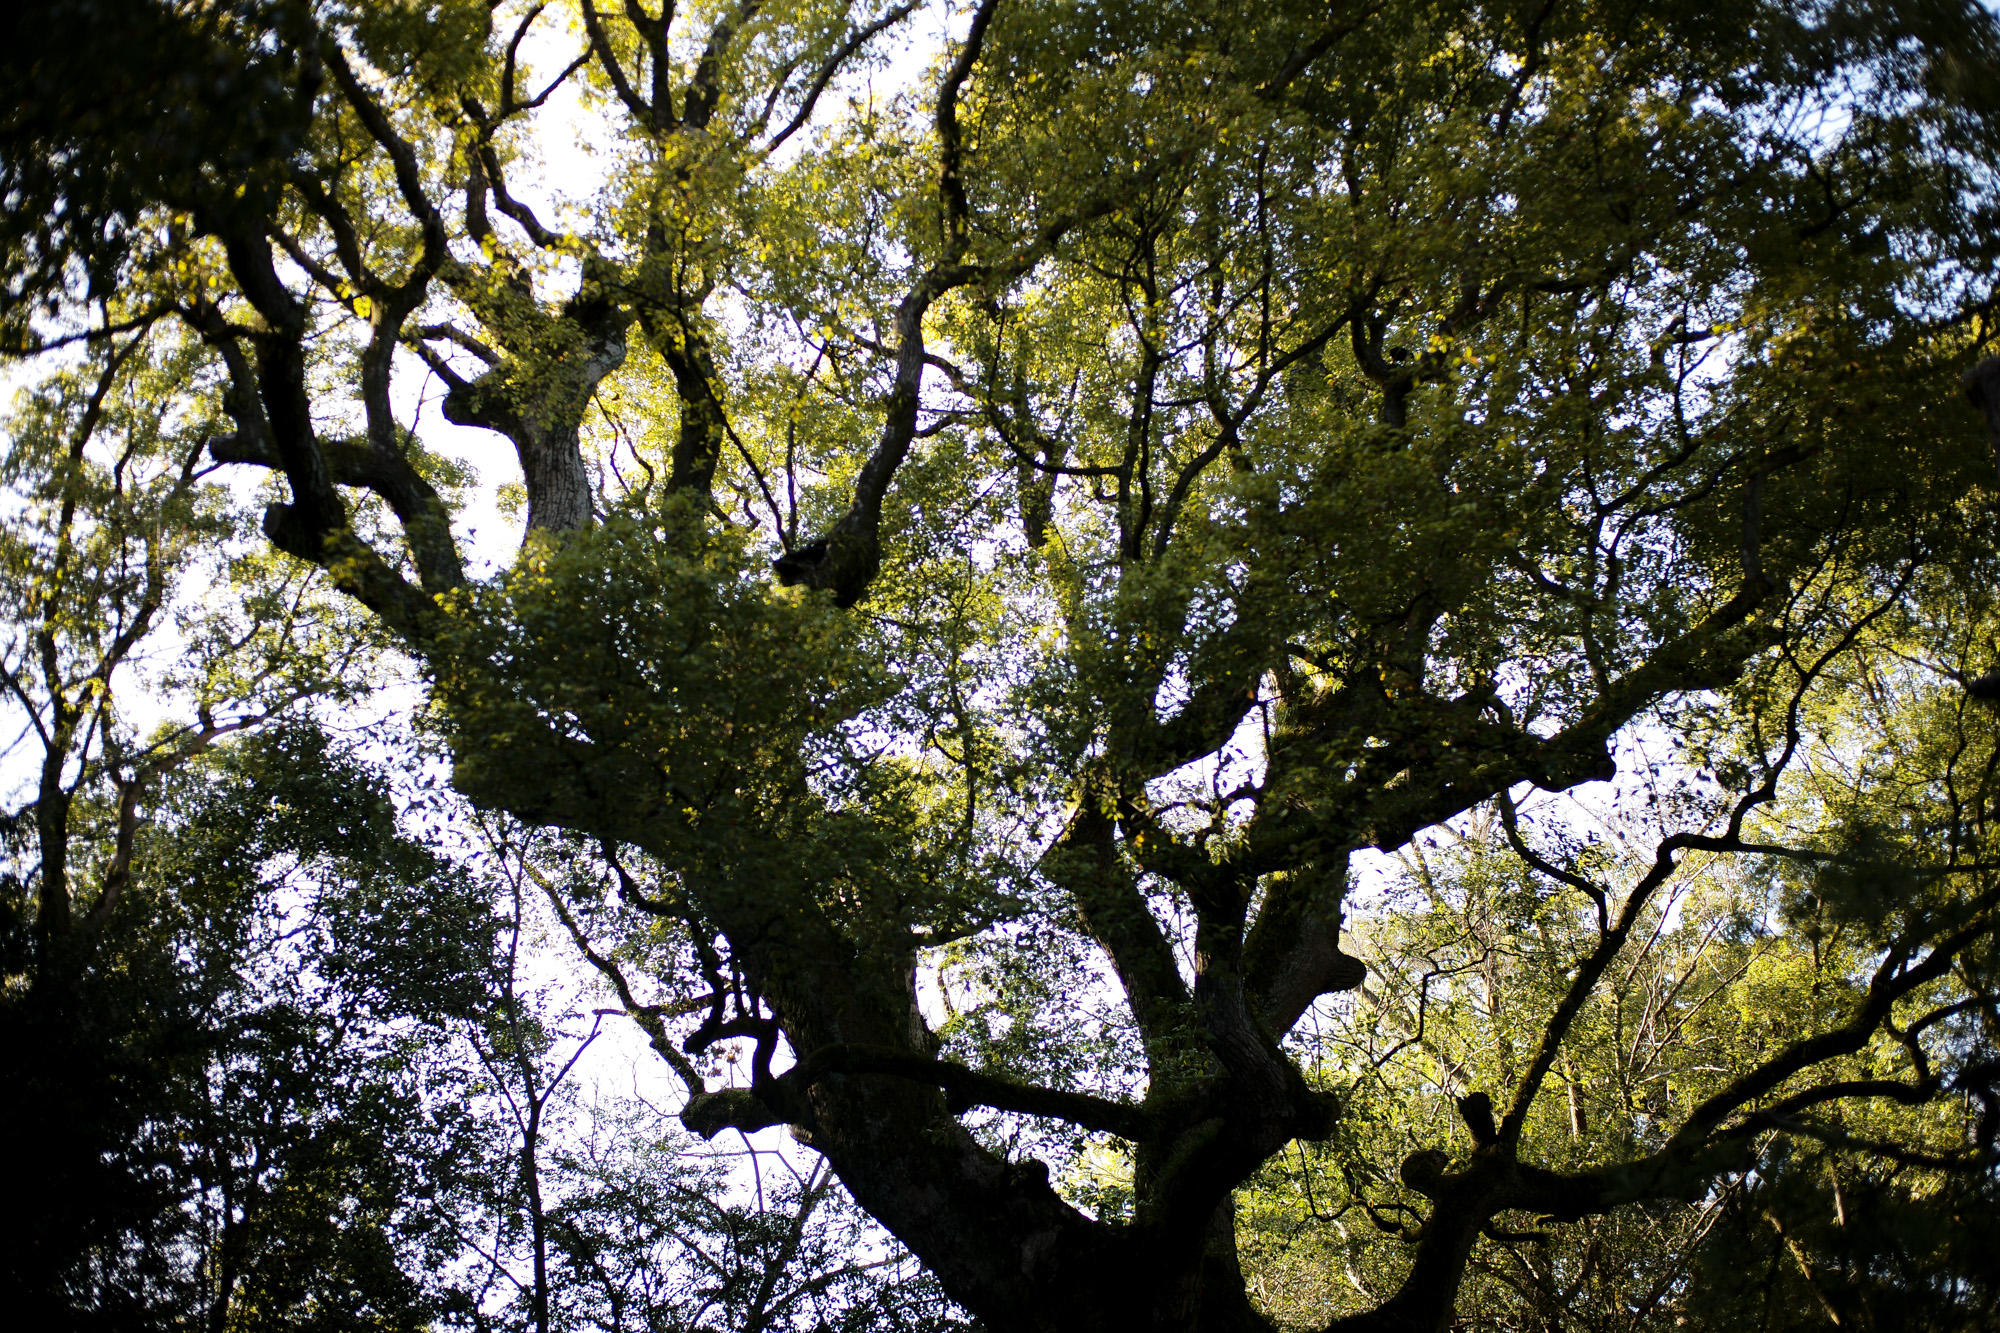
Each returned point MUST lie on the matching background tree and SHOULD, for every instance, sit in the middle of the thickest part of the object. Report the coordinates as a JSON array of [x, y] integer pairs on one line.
[[1082, 500], [119, 995], [217, 1052]]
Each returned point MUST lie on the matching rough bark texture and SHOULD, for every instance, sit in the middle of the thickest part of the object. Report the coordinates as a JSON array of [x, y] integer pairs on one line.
[[539, 407]]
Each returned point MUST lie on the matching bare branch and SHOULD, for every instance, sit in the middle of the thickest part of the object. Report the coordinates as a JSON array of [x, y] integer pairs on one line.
[[827, 71]]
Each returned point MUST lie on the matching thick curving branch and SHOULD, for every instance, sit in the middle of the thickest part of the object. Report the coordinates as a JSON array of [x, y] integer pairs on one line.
[[1085, 863], [781, 1099], [413, 500]]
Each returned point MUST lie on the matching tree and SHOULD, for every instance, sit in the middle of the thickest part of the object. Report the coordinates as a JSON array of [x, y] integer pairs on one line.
[[251, 1069], [1841, 1217], [142, 929], [1030, 531], [216, 1062]]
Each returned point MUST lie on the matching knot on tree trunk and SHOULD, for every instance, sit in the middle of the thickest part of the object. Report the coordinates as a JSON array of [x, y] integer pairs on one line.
[[1423, 1171], [844, 561], [1559, 768], [709, 1113], [287, 530], [1476, 1109], [1345, 973]]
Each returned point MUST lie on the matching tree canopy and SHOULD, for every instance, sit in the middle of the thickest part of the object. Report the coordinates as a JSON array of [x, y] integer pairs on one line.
[[1296, 663]]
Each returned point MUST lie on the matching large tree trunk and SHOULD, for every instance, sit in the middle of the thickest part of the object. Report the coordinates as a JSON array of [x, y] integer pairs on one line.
[[538, 403]]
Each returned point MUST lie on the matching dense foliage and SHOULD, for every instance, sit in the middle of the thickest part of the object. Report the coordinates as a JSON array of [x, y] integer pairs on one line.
[[1301, 664]]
